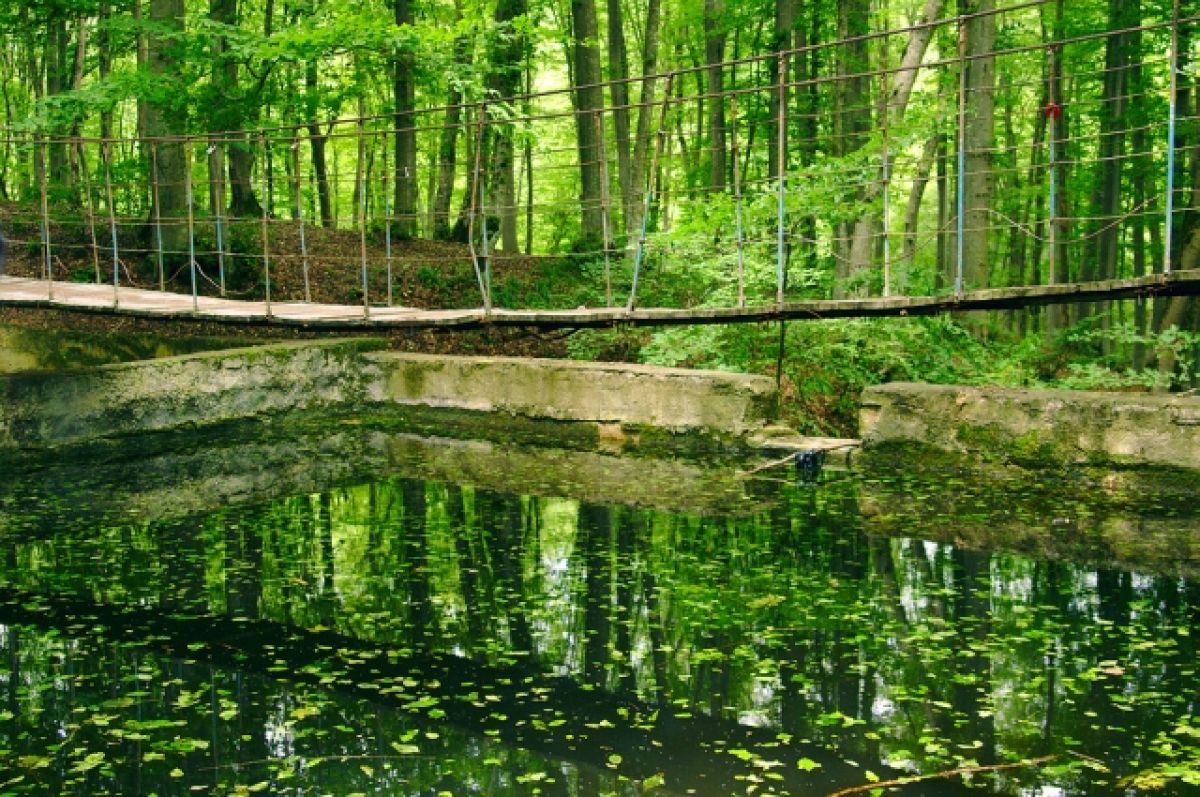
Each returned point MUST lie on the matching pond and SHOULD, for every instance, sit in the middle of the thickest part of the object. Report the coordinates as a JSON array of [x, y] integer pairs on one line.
[[341, 611]]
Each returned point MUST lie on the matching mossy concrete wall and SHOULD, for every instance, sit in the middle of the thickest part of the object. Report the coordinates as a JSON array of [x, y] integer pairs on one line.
[[1036, 427], [664, 398], [42, 409]]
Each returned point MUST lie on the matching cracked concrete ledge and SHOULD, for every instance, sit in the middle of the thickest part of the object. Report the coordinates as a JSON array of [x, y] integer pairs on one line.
[[619, 402], [1036, 428]]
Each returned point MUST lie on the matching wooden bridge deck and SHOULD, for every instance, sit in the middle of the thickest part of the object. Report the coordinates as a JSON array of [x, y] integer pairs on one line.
[[137, 302]]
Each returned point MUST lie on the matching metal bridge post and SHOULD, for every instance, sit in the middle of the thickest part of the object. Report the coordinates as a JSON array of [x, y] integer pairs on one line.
[[1171, 124], [360, 183], [191, 220], [605, 209], [475, 189], [387, 223], [960, 187], [1052, 112], [885, 177], [40, 167], [265, 187], [739, 228], [781, 186], [216, 182], [106, 156], [158, 239], [298, 211]]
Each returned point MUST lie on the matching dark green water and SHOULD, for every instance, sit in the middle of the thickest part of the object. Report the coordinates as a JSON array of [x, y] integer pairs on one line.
[[382, 628]]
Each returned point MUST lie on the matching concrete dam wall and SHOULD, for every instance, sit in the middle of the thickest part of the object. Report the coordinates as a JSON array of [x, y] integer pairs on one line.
[[44, 410]]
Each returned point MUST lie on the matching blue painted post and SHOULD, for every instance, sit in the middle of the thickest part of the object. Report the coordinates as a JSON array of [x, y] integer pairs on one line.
[[1171, 124]]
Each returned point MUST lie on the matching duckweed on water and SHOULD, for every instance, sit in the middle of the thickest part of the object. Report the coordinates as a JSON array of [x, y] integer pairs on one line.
[[398, 635]]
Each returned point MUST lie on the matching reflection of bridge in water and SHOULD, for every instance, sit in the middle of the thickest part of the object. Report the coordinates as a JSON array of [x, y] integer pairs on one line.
[[748, 203]]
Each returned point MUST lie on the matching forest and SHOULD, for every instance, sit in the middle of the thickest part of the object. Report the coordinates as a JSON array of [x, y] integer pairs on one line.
[[555, 152]]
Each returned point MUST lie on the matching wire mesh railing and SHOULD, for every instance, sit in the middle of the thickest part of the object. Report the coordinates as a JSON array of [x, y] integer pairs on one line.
[[842, 169]]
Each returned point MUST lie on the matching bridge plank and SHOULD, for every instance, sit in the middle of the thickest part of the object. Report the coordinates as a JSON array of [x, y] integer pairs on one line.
[[139, 302]]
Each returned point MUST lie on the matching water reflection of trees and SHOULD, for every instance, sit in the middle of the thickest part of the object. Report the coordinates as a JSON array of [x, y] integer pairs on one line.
[[890, 649]]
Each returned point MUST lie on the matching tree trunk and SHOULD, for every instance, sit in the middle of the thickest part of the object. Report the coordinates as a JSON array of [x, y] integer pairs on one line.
[[448, 140], [228, 114], [405, 142], [854, 243], [1059, 273], [631, 194], [1106, 192], [508, 55], [316, 140], [618, 73], [914, 53], [786, 14], [104, 61], [57, 81], [588, 97], [1182, 311], [714, 55], [979, 140], [143, 63], [167, 117]]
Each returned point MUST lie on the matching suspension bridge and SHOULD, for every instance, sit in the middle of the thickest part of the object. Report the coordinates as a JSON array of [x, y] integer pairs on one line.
[[164, 305], [789, 217]]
